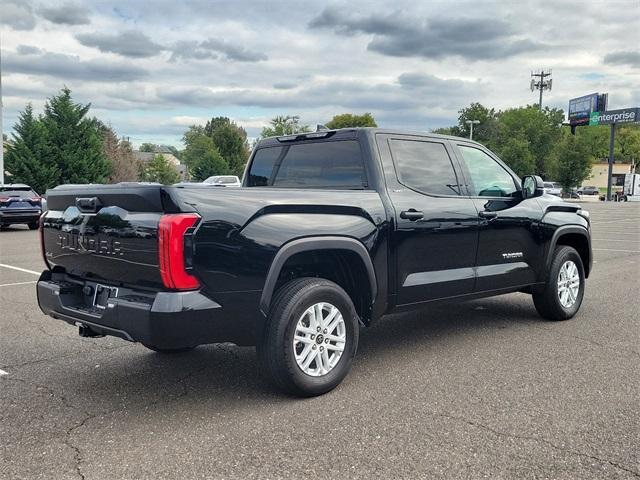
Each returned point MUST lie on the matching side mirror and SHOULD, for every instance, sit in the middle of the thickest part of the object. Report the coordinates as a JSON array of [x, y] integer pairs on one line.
[[532, 186]]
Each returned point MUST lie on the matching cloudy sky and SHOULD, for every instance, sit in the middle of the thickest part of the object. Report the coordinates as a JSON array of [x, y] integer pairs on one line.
[[151, 68]]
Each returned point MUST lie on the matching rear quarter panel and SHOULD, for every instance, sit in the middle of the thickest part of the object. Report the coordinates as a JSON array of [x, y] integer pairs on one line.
[[242, 229]]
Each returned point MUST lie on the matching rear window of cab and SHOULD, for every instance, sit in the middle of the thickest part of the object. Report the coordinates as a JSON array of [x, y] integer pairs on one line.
[[337, 164]]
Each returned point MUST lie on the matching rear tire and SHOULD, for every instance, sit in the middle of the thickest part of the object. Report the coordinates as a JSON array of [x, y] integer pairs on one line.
[[564, 289], [310, 337], [33, 226]]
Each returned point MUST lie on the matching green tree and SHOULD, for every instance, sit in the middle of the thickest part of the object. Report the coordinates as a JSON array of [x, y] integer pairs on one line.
[[284, 125], [484, 132], [595, 139], [515, 153], [574, 163], [541, 129], [346, 120], [160, 170], [26, 159], [201, 155], [73, 141], [627, 144], [211, 163], [231, 142], [148, 147], [445, 130]]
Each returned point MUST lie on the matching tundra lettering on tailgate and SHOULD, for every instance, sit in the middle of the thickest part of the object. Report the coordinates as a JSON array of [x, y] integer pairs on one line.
[[81, 244]]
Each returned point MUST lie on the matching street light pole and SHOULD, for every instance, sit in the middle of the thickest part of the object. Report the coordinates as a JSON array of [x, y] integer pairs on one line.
[[471, 123]]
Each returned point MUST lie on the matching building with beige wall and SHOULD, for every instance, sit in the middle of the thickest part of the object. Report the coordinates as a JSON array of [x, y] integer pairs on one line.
[[599, 172]]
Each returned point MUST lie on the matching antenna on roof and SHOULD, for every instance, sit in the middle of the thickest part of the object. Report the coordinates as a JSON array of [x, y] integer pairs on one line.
[[320, 127]]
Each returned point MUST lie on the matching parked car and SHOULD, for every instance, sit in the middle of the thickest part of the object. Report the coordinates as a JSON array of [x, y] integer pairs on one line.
[[588, 191], [331, 230], [223, 181], [19, 203], [553, 188]]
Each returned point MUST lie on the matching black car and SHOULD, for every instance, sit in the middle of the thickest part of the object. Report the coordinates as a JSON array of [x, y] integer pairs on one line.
[[19, 203], [330, 230]]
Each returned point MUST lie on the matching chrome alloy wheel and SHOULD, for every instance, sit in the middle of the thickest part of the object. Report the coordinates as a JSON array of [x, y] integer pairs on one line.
[[568, 284], [319, 339]]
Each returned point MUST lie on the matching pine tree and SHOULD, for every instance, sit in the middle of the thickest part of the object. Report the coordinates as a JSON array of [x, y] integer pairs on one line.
[[74, 141], [160, 170], [26, 159]]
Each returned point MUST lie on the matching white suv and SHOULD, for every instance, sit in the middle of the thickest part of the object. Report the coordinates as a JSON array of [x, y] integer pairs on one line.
[[223, 181]]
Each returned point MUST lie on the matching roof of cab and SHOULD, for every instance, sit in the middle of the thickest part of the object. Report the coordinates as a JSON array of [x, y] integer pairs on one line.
[[352, 133]]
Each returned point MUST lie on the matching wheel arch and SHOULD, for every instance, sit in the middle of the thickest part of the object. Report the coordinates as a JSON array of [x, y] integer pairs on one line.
[[362, 288], [574, 236]]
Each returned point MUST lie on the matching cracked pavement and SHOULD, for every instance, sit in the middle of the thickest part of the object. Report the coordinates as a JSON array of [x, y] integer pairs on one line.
[[477, 389]]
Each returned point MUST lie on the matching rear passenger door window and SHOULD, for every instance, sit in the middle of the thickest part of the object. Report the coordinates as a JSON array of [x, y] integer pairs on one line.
[[424, 166]]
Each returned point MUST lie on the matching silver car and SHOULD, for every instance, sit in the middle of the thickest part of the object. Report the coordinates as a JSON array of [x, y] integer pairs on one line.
[[553, 188]]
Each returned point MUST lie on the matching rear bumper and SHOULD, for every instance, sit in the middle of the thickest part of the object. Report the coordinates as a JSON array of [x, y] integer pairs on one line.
[[159, 319], [8, 217]]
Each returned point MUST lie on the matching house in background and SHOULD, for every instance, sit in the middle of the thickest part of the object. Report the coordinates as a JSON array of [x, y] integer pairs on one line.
[[145, 157]]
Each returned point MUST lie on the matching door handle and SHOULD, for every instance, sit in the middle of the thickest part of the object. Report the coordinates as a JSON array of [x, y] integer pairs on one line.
[[412, 214], [488, 214]]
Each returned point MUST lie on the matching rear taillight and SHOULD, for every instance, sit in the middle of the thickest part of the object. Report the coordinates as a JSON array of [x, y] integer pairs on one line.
[[174, 231], [41, 233]]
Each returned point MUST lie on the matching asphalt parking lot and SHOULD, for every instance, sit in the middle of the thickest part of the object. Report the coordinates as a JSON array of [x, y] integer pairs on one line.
[[478, 389]]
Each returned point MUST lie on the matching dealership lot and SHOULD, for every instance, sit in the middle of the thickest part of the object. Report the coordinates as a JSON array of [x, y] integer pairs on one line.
[[480, 388]]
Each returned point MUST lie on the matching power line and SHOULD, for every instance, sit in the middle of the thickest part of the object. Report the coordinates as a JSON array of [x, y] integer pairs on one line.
[[538, 82]]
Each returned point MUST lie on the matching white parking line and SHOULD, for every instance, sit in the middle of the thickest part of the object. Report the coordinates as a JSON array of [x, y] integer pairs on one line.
[[616, 221], [614, 240], [20, 269], [614, 250], [2, 372], [18, 283]]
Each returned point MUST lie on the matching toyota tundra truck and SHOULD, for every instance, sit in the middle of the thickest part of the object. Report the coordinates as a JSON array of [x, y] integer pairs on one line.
[[330, 231]]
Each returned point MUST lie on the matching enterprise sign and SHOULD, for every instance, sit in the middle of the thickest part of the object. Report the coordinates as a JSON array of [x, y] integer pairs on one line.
[[624, 115]]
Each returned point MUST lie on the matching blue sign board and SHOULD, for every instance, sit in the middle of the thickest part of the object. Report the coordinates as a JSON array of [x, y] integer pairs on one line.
[[580, 109]]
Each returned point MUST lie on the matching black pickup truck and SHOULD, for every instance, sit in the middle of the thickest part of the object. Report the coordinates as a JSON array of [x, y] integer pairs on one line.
[[329, 231]]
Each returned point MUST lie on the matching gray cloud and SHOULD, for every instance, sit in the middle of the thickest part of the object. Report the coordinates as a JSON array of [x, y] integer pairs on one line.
[[27, 50], [66, 14], [411, 91], [398, 35], [70, 67], [18, 15], [130, 43], [214, 48], [630, 57]]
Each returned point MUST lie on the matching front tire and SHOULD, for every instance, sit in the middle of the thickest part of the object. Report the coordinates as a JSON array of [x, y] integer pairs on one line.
[[564, 289], [310, 337]]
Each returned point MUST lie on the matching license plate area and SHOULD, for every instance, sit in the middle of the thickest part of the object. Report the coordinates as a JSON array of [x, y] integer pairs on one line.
[[102, 294]]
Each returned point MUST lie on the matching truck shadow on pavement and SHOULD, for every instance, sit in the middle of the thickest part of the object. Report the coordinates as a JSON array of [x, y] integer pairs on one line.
[[226, 377]]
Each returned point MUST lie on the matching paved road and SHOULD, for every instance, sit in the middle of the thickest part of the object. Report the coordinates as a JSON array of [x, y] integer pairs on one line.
[[478, 389]]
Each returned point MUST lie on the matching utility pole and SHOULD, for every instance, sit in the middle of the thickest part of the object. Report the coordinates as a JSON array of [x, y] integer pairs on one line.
[[539, 82], [471, 123]]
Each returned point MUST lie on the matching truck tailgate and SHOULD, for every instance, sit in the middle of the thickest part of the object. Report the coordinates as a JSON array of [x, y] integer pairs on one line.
[[105, 232]]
